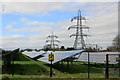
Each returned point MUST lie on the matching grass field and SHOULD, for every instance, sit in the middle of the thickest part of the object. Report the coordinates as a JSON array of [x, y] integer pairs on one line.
[[25, 68]]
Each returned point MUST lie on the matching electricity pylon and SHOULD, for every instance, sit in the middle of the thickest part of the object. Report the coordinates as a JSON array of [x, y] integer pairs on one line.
[[52, 41], [79, 35]]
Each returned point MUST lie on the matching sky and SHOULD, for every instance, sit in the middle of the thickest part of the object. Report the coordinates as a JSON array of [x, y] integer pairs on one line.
[[27, 24]]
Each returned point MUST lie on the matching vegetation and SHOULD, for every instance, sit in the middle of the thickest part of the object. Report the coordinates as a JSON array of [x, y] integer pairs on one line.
[[37, 69], [115, 44], [28, 68], [25, 67], [20, 57], [78, 67]]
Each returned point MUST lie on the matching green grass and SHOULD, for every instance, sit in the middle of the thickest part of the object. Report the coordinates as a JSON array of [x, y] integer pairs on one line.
[[38, 69], [28, 68], [79, 75], [21, 57], [78, 67], [25, 67]]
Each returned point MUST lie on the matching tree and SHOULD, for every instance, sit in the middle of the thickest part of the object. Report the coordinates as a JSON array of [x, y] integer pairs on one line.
[[115, 44], [62, 47]]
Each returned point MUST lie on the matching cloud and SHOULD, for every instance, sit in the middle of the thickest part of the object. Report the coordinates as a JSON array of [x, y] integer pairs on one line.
[[37, 40], [36, 1], [13, 37], [103, 24], [40, 23], [30, 8], [23, 19], [38, 8], [28, 29], [103, 30], [60, 1]]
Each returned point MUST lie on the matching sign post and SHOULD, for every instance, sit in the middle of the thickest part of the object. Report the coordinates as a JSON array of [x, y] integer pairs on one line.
[[51, 58]]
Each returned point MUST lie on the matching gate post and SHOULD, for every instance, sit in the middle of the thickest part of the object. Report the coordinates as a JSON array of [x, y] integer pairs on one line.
[[107, 67], [119, 66]]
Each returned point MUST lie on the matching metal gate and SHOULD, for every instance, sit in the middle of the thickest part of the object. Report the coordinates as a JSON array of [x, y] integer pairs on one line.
[[112, 66]]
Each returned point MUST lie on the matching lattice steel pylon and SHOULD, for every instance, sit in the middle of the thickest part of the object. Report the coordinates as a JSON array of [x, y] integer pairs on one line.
[[52, 41], [79, 35]]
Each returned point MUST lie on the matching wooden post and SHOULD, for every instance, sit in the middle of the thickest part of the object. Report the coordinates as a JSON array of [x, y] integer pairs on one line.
[[88, 65], [50, 68], [68, 64], [71, 67]]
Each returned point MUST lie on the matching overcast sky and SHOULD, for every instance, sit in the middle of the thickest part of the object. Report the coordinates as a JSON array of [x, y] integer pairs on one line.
[[27, 24]]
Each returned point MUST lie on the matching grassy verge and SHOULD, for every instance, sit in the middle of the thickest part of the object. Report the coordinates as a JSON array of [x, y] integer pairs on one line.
[[37, 69]]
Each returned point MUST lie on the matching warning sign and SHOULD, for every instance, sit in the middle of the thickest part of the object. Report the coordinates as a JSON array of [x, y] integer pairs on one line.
[[118, 59], [51, 57]]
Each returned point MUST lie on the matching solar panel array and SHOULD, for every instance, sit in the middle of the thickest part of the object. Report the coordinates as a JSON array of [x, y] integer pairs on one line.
[[59, 55], [33, 54], [98, 57]]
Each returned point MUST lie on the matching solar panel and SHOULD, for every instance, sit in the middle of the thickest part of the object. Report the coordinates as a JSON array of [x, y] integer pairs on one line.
[[59, 55], [98, 57], [33, 54]]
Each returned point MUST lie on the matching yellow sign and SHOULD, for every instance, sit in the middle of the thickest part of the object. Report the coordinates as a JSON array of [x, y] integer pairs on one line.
[[51, 57], [118, 59]]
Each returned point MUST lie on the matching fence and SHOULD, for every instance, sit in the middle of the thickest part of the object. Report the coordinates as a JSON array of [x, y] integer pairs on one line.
[[112, 66]]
